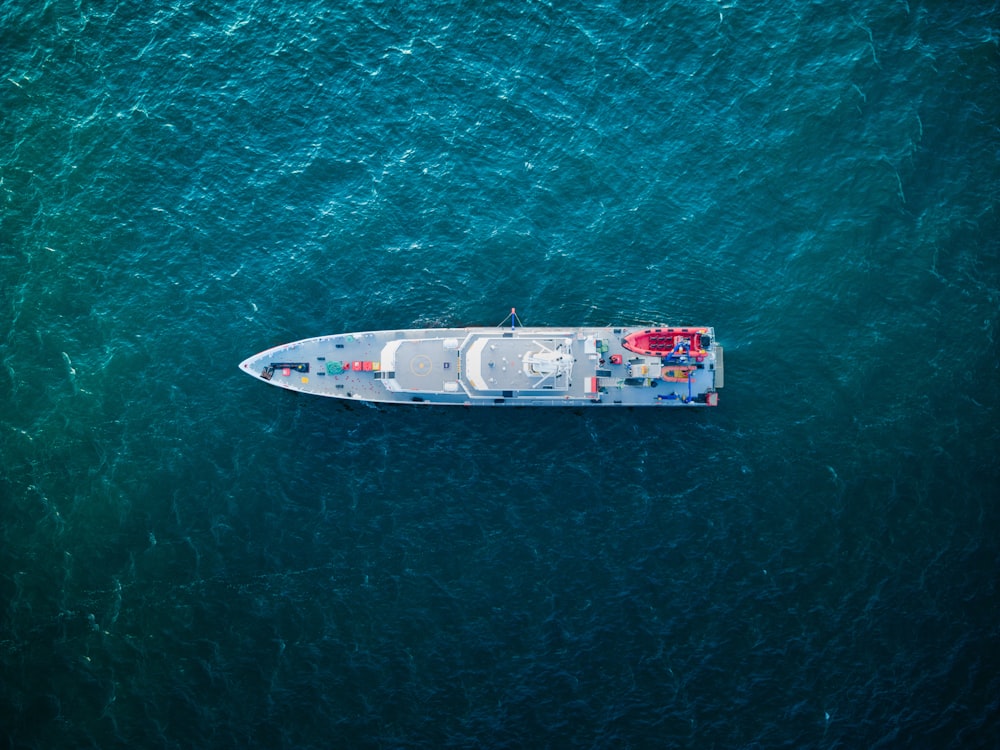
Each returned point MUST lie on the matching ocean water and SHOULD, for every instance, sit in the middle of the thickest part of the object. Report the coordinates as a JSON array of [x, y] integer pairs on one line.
[[189, 558]]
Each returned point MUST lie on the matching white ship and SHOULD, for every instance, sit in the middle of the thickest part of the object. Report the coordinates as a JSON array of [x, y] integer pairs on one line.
[[501, 366]]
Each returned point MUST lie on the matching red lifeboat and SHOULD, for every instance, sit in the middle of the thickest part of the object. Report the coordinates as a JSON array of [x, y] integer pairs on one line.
[[660, 342]]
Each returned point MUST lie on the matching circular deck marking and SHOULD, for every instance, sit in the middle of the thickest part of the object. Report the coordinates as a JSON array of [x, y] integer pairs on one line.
[[420, 365]]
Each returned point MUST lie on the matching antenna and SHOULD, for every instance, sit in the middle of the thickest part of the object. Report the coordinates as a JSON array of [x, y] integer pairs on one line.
[[514, 320]]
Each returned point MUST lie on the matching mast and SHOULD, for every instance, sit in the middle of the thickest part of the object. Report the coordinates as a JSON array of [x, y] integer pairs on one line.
[[513, 319]]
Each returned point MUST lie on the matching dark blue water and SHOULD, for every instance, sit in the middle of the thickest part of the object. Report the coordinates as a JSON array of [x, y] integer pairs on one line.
[[189, 558]]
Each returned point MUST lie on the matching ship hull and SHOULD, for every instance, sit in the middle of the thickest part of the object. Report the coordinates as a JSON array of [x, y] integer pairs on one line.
[[528, 366]]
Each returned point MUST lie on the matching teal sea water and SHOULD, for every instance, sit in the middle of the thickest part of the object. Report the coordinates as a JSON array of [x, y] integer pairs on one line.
[[190, 558]]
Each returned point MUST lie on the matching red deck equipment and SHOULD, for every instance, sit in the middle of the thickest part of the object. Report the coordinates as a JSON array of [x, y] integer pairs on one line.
[[659, 342]]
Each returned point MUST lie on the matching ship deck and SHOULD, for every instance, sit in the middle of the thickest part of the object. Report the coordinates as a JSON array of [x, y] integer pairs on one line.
[[492, 366]]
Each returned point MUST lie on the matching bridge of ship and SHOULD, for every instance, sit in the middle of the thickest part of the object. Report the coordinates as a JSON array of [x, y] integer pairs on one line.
[[489, 365]]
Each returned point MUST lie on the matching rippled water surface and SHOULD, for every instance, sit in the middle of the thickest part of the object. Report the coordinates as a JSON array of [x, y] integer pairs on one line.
[[189, 558]]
